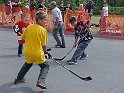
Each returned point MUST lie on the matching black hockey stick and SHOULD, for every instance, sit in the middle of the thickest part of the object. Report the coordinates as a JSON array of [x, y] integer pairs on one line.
[[49, 49], [85, 78], [60, 59]]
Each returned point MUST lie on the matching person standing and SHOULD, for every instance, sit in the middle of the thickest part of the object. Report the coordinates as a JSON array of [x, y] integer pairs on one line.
[[81, 13], [16, 10], [104, 15], [32, 9], [62, 9], [68, 15], [83, 37], [58, 25], [35, 37], [8, 11], [26, 8], [89, 7], [19, 28], [42, 6]]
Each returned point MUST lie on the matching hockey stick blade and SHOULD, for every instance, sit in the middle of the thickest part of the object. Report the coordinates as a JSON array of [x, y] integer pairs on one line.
[[87, 78], [49, 49], [59, 59]]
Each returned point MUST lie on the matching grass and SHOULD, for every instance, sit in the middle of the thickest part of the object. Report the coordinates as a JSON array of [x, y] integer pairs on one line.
[[95, 20]]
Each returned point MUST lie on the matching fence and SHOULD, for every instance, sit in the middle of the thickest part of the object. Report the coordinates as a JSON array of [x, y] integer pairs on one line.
[[6, 17], [115, 27]]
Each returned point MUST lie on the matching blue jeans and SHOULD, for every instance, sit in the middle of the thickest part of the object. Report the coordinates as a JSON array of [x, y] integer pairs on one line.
[[60, 30], [80, 50]]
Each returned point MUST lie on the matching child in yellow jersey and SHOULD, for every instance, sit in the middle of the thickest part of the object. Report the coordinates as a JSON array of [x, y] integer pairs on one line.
[[35, 37]]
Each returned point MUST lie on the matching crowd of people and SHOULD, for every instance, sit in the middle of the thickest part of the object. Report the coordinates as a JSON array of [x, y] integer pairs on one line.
[[14, 8]]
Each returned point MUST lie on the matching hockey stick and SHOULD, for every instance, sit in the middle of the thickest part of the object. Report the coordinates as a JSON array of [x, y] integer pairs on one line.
[[60, 59], [82, 78], [49, 49]]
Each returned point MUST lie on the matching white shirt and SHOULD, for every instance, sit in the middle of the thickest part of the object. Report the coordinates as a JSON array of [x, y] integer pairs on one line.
[[56, 13], [105, 11]]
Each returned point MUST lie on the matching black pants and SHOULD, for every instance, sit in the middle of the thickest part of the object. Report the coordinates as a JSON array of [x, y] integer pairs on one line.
[[20, 47]]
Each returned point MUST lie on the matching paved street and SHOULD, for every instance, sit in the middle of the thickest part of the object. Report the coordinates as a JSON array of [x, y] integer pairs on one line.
[[105, 64]]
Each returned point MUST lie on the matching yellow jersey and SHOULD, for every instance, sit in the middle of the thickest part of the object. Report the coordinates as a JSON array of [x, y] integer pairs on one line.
[[35, 36]]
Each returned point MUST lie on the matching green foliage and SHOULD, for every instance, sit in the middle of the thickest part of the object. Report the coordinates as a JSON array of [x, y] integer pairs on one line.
[[116, 10], [116, 3], [84, 2], [98, 4], [3, 1]]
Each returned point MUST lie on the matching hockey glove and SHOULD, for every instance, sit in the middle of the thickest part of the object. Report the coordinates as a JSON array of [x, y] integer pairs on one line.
[[48, 55]]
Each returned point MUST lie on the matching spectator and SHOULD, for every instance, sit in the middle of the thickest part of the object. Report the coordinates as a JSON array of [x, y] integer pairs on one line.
[[81, 13], [89, 7], [68, 6], [16, 9], [68, 15], [104, 15], [26, 7], [43, 6], [32, 9], [8, 7], [62, 9]]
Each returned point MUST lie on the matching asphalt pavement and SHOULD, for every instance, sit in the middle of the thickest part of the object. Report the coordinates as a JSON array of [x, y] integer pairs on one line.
[[105, 64]]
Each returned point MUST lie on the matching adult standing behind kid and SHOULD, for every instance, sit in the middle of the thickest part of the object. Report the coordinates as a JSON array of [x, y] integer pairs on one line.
[[58, 25]]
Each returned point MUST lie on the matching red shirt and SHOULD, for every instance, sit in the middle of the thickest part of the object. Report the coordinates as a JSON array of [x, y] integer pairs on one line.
[[21, 26]]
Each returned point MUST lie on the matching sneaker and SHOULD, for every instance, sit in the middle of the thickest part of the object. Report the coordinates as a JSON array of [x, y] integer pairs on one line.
[[72, 62], [83, 57], [62, 46], [19, 55], [41, 84], [18, 81], [57, 45]]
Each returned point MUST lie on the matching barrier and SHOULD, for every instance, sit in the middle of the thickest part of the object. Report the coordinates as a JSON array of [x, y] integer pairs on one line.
[[2, 17], [7, 15], [115, 27]]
